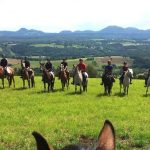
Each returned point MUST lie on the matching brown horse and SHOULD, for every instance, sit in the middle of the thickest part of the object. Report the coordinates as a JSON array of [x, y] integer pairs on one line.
[[9, 75], [47, 77], [64, 77], [27, 74], [106, 140]]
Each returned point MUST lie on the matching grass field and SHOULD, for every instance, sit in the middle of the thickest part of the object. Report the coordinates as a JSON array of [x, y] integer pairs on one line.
[[65, 117]]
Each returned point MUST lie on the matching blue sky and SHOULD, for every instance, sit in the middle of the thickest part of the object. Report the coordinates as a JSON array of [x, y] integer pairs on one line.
[[58, 15]]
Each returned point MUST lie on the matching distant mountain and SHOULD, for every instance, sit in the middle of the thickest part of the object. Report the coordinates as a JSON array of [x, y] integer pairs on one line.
[[23, 32], [114, 32]]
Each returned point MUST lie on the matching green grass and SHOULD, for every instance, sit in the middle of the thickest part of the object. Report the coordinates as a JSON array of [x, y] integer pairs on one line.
[[62, 117]]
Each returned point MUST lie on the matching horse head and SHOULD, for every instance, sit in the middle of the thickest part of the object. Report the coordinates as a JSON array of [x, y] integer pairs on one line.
[[106, 140], [129, 73]]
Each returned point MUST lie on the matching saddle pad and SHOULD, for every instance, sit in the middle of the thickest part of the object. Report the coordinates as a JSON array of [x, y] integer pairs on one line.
[[52, 73], [8, 70]]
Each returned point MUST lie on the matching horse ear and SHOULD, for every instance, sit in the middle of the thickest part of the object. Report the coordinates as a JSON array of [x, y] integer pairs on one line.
[[106, 140], [41, 142]]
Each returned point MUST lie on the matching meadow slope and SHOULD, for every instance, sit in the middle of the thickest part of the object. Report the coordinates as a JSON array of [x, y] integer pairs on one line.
[[65, 117]]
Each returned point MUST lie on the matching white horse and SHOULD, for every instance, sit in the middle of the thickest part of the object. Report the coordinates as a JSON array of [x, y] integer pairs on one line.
[[126, 81], [78, 79], [147, 85]]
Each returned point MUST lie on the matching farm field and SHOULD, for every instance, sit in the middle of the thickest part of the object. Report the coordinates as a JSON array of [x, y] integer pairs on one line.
[[67, 118]]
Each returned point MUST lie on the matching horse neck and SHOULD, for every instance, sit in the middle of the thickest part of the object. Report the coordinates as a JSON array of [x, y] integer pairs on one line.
[[78, 74], [127, 77], [46, 73]]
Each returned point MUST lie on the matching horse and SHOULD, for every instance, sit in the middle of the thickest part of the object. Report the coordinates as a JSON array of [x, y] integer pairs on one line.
[[106, 140], [9, 75], [147, 85], [108, 83], [78, 78], [64, 77], [126, 81], [47, 77], [27, 74]]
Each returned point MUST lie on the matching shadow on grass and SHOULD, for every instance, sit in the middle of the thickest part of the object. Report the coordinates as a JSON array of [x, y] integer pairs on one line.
[[119, 94], [20, 88], [104, 94], [144, 95], [54, 91], [73, 93]]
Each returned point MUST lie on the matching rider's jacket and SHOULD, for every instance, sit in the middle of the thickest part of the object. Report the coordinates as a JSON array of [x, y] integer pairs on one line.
[[4, 62], [65, 64], [82, 67], [108, 69], [48, 66], [27, 64], [125, 68]]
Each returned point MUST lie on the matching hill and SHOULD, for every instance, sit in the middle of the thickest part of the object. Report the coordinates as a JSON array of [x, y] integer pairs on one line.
[[109, 32]]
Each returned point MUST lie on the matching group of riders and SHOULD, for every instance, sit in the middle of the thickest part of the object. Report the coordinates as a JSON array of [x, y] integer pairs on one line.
[[108, 70]]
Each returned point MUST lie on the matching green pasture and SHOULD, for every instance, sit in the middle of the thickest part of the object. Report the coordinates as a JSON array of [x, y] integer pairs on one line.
[[65, 117]]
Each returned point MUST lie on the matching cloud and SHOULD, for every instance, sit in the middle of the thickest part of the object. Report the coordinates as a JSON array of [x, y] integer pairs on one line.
[[56, 15]]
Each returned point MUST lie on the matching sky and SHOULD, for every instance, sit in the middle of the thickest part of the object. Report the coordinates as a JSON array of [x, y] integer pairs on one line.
[[58, 15]]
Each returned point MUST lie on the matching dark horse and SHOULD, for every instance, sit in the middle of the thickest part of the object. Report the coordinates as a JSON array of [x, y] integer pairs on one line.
[[108, 83], [9, 75], [106, 140], [47, 77], [64, 77], [27, 74]]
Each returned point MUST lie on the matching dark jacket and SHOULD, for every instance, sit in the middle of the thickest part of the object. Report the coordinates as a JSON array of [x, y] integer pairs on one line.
[[4, 62], [65, 64], [27, 63], [48, 66]]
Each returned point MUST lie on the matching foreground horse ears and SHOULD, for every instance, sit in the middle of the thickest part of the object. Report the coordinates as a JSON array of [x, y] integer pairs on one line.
[[41, 142], [106, 139]]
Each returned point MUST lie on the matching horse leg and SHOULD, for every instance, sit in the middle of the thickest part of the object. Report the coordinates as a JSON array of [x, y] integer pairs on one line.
[[3, 83], [80, 88], [29, 83], [109, 90], [120, 87], [75, 88], [48, 87], [32, 82], [13, 81], [44, 87], [23, 83], [147, 91], [68, 84], [62, 84], [127, 90]]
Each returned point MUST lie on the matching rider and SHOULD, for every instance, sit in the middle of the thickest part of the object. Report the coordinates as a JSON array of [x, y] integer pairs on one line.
[[25, 63], [123, 70], [108, 71], [65, 65], [146, 78], [49, 65], [82, 67], [4, 64]]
